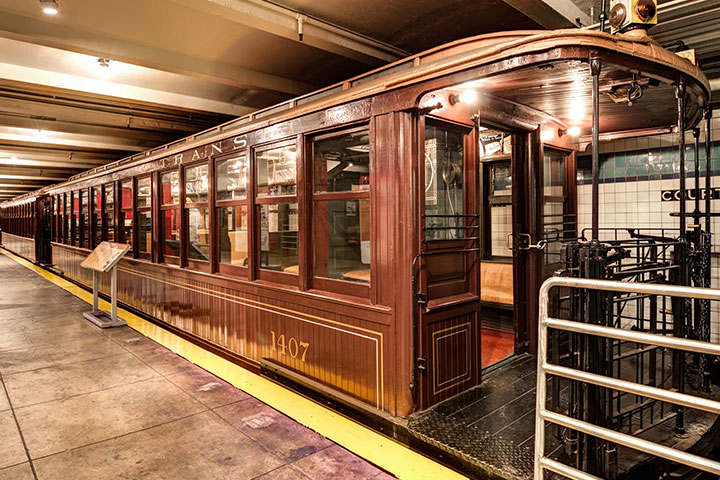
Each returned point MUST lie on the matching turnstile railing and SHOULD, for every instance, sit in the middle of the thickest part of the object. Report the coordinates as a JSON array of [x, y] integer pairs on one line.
[[542, 415]]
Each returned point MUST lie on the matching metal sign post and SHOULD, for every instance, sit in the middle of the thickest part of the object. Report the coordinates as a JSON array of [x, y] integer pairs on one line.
[[105, 258]]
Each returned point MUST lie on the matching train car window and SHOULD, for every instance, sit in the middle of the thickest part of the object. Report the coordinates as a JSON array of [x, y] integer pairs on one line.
[[170, 187], [76, 218], [97, 216], [84, 218], [341, 211], [275, 180], [68, 219], [444, 182], [198, 213], [231, 178], [196, 184], [199, 233], [170, 216], [557, 224], [126, 212], [143, 203], [231, 183], [276, 171], [109, 212], [143, 198]]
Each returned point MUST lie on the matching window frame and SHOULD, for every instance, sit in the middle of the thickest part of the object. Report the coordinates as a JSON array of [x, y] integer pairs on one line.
[[185, 206], [112, 219], [257, 272], [137, 210], [338, 286], [121, 218], [216, 204], [163, 207], [95, 213]]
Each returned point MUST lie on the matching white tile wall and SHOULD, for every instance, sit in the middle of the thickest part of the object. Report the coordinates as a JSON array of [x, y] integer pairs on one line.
[[638, 204]]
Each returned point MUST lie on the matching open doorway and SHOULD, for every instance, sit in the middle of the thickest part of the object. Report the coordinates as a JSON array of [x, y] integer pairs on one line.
[[496, 292]]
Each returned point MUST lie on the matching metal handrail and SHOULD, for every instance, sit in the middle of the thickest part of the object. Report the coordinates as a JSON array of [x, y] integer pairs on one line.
[[543, 415]]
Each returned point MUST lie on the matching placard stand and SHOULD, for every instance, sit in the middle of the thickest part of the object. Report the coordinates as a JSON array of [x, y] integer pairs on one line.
[[105, 258]]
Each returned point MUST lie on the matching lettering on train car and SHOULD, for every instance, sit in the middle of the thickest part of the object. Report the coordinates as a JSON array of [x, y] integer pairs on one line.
[[291, 346]]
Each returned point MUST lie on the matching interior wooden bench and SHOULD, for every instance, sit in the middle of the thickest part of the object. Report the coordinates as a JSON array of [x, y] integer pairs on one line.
[[496, 284]]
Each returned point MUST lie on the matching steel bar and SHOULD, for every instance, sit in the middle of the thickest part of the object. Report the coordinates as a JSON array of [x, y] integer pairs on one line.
[[708, 166], [635, 443], [655, 393], [565, 470], [696, 137], [595, 68], [684, 344]]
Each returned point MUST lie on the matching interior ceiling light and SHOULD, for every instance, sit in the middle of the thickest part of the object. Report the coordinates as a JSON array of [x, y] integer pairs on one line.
[[49, 7]]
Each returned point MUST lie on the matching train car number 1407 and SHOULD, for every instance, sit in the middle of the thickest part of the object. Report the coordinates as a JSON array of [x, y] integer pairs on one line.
[[290, 346]]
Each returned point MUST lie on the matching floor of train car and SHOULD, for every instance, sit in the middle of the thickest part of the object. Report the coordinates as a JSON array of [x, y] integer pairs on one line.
[[492, 426], [78, 402]]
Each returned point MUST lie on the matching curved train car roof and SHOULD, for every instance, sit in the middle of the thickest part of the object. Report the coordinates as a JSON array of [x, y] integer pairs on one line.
[[546, 71]]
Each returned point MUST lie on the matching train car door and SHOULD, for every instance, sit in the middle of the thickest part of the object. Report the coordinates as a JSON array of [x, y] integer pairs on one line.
[[447, 293], [544, 215]]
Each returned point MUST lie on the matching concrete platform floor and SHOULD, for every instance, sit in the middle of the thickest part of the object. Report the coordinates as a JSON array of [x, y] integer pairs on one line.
[[78, 402]]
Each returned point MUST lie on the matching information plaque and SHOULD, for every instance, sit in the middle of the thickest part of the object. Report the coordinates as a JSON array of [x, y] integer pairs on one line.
[[104, 259]]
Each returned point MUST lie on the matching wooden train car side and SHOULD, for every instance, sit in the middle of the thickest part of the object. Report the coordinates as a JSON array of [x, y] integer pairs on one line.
[[349, 248]]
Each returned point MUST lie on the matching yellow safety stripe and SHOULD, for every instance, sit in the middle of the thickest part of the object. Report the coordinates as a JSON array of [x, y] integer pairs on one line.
[[376, 448]]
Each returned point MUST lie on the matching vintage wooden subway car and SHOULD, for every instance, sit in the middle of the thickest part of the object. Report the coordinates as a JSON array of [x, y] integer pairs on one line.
[[378, 238]]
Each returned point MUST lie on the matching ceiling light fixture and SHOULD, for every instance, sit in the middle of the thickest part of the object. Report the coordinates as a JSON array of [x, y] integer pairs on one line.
[[573, 131], [49, 7], [547, 134]]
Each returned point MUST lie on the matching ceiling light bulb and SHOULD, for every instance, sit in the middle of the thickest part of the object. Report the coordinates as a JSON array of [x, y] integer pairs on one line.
[[574, 131], [468, 96], [49, 7]]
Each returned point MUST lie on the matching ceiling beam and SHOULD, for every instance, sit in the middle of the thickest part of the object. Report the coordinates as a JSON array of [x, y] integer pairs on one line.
[[63, 164], [552, 14], [284, 22], [57, 154], [40, 31], [84, 113], [50, 137], [9, 175]]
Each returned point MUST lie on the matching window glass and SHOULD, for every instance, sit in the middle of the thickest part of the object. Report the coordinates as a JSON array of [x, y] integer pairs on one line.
[[198, 234], [110, 223], [76, 216], [342, 240], [279, 237], [144, 232], [444, 176], [170, 187], [342, 163], [232, 178], [171, 232], [143, 192], [276, 172], [233, 228], [109, 196], [500, 202], [126, 214], [97, 215], [196, 184], [85, 217]]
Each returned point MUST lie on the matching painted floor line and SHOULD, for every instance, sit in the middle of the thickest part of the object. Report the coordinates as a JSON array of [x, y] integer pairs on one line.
[[357, 438]]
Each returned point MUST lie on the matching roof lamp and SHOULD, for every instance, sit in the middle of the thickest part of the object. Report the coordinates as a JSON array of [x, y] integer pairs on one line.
[[49, 7]]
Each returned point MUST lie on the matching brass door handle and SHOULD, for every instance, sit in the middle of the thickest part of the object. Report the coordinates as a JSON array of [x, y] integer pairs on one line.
[[525, 242]]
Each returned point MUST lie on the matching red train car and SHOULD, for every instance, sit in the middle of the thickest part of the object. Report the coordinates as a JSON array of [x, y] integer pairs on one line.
[[350, 237]]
